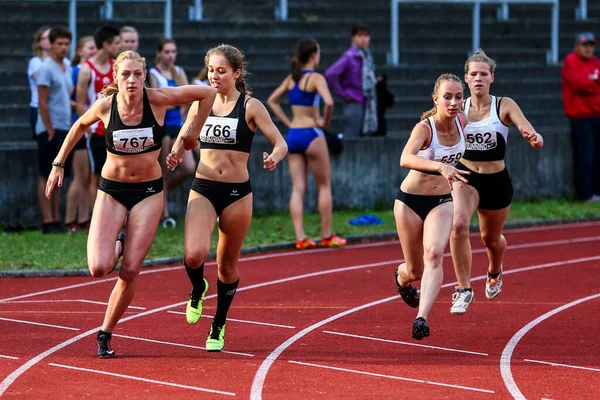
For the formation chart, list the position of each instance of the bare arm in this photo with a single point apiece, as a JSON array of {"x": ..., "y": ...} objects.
[
  {"x": 510, "y": 112},
  {"x": 323, "y": 90},
  {"x": 43, "y": 95},
  {"x": 275, "y": 98},
  {"x": 100, "y": 108},
  {"x": 258, "y": 113},
  {"x": 83, "y": 82}
]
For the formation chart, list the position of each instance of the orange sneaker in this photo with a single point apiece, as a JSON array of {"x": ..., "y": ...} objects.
[
  {"x": 333, "y": 241},
  {"x": 305, "y": 244}
]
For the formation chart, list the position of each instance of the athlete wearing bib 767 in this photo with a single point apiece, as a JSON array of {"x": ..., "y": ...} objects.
[
  {"x": 222, "y": 185},
  {"x": 423, "y": 208},
  {"x": 490, "y": 189},
  {"x": 131, "y": 179}
]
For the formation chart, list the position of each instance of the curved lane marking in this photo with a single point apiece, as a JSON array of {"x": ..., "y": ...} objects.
[
  {"x": 263, "y": 370},
  {"x": 507, "y": 353}
]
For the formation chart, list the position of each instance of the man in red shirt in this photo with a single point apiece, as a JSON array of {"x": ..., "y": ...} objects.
[{"x": 581, "y": 98}]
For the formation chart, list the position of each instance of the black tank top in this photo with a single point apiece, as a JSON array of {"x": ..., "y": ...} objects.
[
  {"x": 128, "y": 140},
  {"x": 230, "y": 132}
]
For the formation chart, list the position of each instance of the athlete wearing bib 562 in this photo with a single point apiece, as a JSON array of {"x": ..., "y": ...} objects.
[
  {"x": 222, "y": 185},
  {"x": 490, "y": 189},
  {"x": 423, "y": 209},
  {"x": 131, "y": 182}
]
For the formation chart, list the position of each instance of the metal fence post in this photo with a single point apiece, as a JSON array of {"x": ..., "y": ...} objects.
[
  {"x": 73, "y": 26},
  {"x": 554, "y": 33},
  {"x": 168, "y": 19},
  {"x": 476, "y": 28},
  {"x": 394, "y": 32},
  {"x": 581, "y": 11},
  {"x": 108, "y": 9}
]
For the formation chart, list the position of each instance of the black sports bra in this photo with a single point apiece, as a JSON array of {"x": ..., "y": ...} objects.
[
  {"x": 230, "y": 132},
  {"x": 128, "y": 140}
]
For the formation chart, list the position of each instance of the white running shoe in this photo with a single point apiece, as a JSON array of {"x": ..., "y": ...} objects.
[
  {"x": 461, "y": 299},
  {"x": 493, "y": 286},
  {"x": 169, "y": 222}
]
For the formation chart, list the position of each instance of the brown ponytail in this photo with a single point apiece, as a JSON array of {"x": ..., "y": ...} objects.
[
  {"x": 305, "y": 48},
  {"x": 436, "y": 87}
]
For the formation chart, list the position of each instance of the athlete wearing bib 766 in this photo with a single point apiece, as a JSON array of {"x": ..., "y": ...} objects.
[
  {"x": 222, "y": 185},
  {"x": 490, "y": 189}
]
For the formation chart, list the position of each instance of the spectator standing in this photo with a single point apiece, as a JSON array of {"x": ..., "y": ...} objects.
[
  {"x": 129, "y": 38},
  {"x": 581, "y": 98},
  {"x": 54, "y": 84},
  {"x": 41, "y": 50},
  {"x": 352, "y": 78}
]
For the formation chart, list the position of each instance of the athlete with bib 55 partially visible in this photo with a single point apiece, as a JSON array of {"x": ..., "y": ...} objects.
[
  {"x": 490, "y": 189},
  {"x": 222, "y": 185},
  {"x": 131, "y": 179},
  {"x": 423, "y": 208}
]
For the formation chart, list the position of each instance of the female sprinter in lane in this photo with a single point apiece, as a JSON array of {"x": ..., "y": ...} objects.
[
  {"x": 305, "y": 139},
  {"x": 490, "y": 189},
  {"x": 131, "y": 177},
  {"x": 222, "y": 186},
  {"x": 423, "y": 209},
  {"x": 166, "y": 73}
]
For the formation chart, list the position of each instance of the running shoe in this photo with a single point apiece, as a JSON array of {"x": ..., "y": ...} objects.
[
  {"x": 493, "y": 286},
  {"x": 420, "y": 329},
  {"x": 305, "y": 244},
  {"x": 461, "y": 299},
  {"x": 333, "y": 241},
  {"x": 216, "y": 338},
  {"x": 168, "y": 222},
  {"x": 193, "y": 310},
  {"x": 103, "y": 344},
  {"x": 120, "y": 238},
  {"x": 409, "y": 294}
]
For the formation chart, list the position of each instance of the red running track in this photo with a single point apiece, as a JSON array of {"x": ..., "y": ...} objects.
[{"x": 320, "y": 324}]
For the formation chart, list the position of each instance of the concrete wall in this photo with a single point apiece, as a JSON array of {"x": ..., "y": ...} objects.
[{"x": 367, "y": 174}]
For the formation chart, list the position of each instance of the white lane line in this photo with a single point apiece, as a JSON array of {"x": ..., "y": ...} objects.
[
  {"x": 179, "y": 345},
  {"x": 562, "y": 365},
  {"x": 571, "y": 225},
  {"x": 137, "y": 378},
  {"x": 38, "y": 323},
  {"x": 293, "y": 253},
  {"x": 263, "y": 370},
  {"x": 9, "y": 357},
  {"x": 240, "y": 320},
  {"x": 400, "y": 378},
  {"x": 5, "y": 384},
  {"x": 105, "y": 304},
  {"x": 505, "y": 359},
  {"x": 64, "y": 301},
  {"x": 406, "y": 343}
]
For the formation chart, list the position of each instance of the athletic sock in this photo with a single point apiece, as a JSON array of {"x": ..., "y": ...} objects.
[
  {"x": 225, "y": 293},
  {"x": 196, "y": 277},
  {"x": 493, "y": 276},
  {"x": 101, "y": 332}
]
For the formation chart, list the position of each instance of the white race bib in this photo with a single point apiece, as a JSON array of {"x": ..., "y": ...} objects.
[
  {"x": 219, "y": 130},
  {"x": 133, "y": 140},
  {"x": 481, "y": 141}
]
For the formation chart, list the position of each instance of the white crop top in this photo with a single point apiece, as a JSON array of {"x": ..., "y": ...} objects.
[
  {"x": 486, "y": 139},
  {"x": 446, "y": 154}
]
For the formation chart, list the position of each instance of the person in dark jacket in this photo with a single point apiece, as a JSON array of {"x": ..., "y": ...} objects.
[{"x": 581, "y": 98}]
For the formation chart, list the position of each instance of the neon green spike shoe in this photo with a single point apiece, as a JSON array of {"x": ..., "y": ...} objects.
[
  {"x": 216, "y": 338},
  {"x": 193, "y": 311}
]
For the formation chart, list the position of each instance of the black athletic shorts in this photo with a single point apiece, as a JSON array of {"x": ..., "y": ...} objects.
[
  {"x": 221, "y": 194},
  {"x": 422, "y": 205},
  {"x": 495, "y": 190}
]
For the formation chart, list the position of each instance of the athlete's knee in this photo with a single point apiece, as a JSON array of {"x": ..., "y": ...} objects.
[
  {"x": 228, "y": 269},
  {"x": 493, "y": 240},
  {"x": 433, "y": 255},
  {"x": 299, "y": 189},
  {"x": 98, "y": 268},
  {"x": 460, "y": 227},
  {"x": 196, "y": 256},
  {"x": 128, "y": 273}
]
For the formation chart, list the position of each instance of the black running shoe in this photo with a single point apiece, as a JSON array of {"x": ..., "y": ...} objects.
[
  {"x": 420, "y": 329},
  {"x": 409, "y": 294},
  {"x": 104, "y": 348}
]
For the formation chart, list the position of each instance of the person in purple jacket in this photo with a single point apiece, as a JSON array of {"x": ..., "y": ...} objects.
[{"x": 352, "y": 78}]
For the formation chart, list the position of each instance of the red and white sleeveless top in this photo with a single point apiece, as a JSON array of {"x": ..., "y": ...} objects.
[{"x": 98, "y": 82}]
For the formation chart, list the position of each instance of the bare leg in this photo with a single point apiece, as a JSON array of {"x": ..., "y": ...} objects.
[
  {"x": 465, "y": 201},
  {"x": 317, "y": 156},
  {"x": 298, "y": 173},
  {"x": 491, "y": 223},
  {"x": 410, "y": 231}
]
